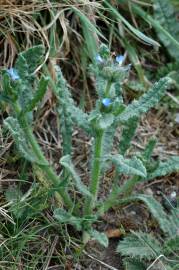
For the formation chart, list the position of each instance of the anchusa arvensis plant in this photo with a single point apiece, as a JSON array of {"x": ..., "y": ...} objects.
[{"x": 23, "y": 90}]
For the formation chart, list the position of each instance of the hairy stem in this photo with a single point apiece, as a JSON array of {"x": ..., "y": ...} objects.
[
  {"x": 95, "y": 175},
  {"x": 108, "y": 87}
]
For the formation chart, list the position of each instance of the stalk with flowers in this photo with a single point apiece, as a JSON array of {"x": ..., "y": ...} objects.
[{"x": 23, "y": 91}]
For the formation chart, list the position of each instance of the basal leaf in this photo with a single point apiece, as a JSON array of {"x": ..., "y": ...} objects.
[
  {"x": 134, "y": 264},
  {"x": 67, "y": 218},
  {"x": 166, "y": 224},
  {"x": 140, "y": 245},
  {"x": 100, "y": 237},
  {"x": 172, "y": 245}
]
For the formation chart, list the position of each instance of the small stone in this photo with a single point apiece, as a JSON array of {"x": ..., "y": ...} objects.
[
  {"x": 173, "y": 195},
  {"x": 149, "y": 191}
]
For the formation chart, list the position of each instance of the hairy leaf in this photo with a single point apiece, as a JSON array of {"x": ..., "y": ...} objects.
[
  {"x": 107, "y": 143},
  {"x": 165, "y": 167},
  {"x": 63, "y": 108},
  {"x": 20, "y": 140},
  {"x": 146, "y": 101},
  {"x": 81, "y": 119},
  {"x": 66, "y": 218},
  {"x": 134, "y": 264},
  {"x": 69, "y": 114},
  {"x": 38, "y": 95},
  {"x": 140, "y": 245},
  {"x": 126, "y": 166},
  {"x": 100, "y": 237},
  {"x": 147, "y": 153},
  {"x": 9, "y": 91},
  {"x": 127, "y": 134},
  {"x": 66, "y": 162},
  {"x": 106, "y": 121},
  {"x": 29, "y": 60},
  {"x": 166, "y": 224},
  {"x": 172, "y": 245}
]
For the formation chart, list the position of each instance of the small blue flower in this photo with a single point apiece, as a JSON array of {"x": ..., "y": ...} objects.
[
  {"x": 106, "y": 102},
  {"x": 119, "y": 59},
  {"x": 99, "y": 59},
  {"x": 13, "y": 74}
]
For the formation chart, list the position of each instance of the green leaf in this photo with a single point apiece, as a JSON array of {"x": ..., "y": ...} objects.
[
  {"x": 38, "y": 95},
  {"x": 165, "y": 167},
  {"x": 68, "y": 113},
  {"x": 20, "y": 140},
  {"x": 29, "y": 60},
  {"x": 81, "y": 119},
  {"x": 63, "y": 108},
  {"x": 10, "y": 90},
  {"x": 146, "y": 101},
  {"x": 106, "y": 121},
  {"x": 147, "y": 153},
  {"x": 127, "y": 134},
  {"x": 166, "y": 224},
  {"x": 126, "y": 166},
  {"x": 140, "y": 245},
  {"x": 165, "y": 14},
  {"x": 107, "y": 144},
  {"x": 4, "y": 98},
  {"x": 172, "y": 245},
  {"x": 134, "y": 264},
  {"x": 66, "y": 218},
  {"x": 66, "y": 162},
  {"x": 100, "y": 237}
]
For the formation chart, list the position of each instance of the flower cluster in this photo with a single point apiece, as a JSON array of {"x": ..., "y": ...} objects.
[{"x": 111, "y": 68}]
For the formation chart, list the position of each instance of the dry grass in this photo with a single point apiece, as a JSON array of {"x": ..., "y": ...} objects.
[{"x": 56, "y": 25}]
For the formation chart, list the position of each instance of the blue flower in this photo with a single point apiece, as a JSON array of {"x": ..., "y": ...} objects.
[
  {"x": 119, "y": 59},
  {"x": 106, "y": 102},
  {"x": 99, "y": 59},
  {"x": 13, "y": 74}
]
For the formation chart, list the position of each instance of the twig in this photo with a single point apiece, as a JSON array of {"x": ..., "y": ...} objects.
[{"x": 173, "y": 98}]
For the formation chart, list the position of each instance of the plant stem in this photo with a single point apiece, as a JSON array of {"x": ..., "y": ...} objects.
[
  {"x": 51, "y": 175},
  {"x": 95, "y": 175},
  {"x": 108, "y": 87}
]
